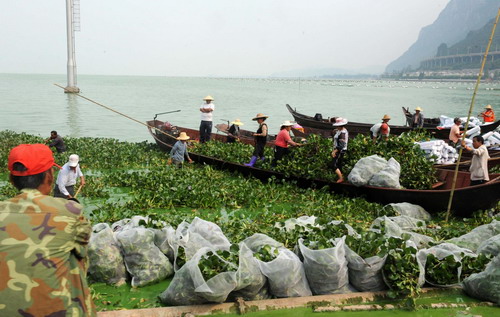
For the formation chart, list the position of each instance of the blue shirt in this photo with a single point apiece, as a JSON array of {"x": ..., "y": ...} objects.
[{"x": 179, "y": 151}]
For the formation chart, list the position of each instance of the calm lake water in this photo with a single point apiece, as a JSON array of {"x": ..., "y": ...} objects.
[{"x": 31, "y": 103}]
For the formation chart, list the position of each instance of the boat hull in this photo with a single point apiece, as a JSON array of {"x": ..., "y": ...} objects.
[{"x": 466, "y": 199}]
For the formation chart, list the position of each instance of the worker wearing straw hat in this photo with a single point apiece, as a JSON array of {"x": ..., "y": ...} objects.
[
  {"x": 179, "y": 150},
  {"x": 417, "y": 120},
  {"x": 488, "y": 115},
  {"x": 233, "y": 134},
  {"x": 260, "y": 139},
  {"x": 283, "y": 141},
  {"x": 381, "y": 129},
  {"x": 206, "y": 110}
]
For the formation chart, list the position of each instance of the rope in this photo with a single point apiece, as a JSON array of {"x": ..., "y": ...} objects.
[
  {"x": 121, "y": 114},
  {"x": 469, "y": 114}
]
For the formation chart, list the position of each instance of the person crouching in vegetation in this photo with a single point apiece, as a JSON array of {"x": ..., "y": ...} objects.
[
  {"x": 283, "y": 140},
  {"x": 179, "y": 151},
  {"x": 260, "y": 139},
  {"x": 479, "y": 165},
  {"x": 340, "y": 140}
]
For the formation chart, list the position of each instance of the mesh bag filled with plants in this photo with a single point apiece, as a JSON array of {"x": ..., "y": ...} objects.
[
  {"x": 206, "y": 278},
  {"x": 485, "y": 285},
  {"x": 143, "y": 260},
  {"x": 105, "y": 259}
]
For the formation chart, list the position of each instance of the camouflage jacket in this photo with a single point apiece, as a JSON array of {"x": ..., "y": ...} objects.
[{"x": 43, "y": 257}]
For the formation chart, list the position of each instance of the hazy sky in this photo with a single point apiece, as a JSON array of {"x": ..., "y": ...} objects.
[{"x": 211, "y": 37}]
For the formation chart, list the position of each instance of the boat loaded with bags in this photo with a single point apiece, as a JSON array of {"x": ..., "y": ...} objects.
[
  {"x": 322, "y": 126},
  {"x": 466, "y": 198}
]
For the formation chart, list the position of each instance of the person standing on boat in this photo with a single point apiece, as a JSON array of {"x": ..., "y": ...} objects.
[
  {"x": 479, "y": 165},
  {"x": 206, "y": 110},
  {"x": 488, "y": 115},
  {"x": 417, "y": 120},
  {"x": 260, "y": 139},
  {"x": 57, "y": 142},
  {"x": 455, "y": 133},
  {"x": 233, "y": 134},
  {"x": 66, "y": 179},
  {"x": 43, "y": 243},
  {"x": 282, "y": 143},
  {"x": 381, "y": 129},
  {"x": 340, "y": 140},
  {"x": 179, "y": 151}
]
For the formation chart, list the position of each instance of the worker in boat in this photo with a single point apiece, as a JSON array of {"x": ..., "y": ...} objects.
[
  {"x": 488, "y": 115},
  {"x": 417, "y": 120},
  {"x": 283, "y": 142},
  {"x": 66, "y": 179},
  {"x": 179, "y": 151},
  {"x": 381, "y": 129},
  {"x": 260, "y": 139},
  {"x": 340, "y": 140},
  {"x": 56, "y": 141},
  {"x": 233, "y": 134},
  {"x": 479, "y": 165},
  {"x": 455, "y": 133},
  {"x": 206, "y": 110}
]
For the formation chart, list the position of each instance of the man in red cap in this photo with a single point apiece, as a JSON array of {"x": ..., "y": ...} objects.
[{"x": 43, "y": 243}]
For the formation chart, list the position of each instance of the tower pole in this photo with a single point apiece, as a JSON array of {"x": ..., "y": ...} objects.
[{"x": 71, "y": 67}]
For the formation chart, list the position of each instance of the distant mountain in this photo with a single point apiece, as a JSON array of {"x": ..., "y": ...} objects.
[
  {"x": 456, "y": 20},
  {"x": 331, "y": 72}
]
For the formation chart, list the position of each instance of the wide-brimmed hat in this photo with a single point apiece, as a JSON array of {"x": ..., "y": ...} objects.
[
  {"x": 287, "y": 123},
  {"x": 386, "y": 117},
  {"x": 183, "y": 136},
  {"x": 237, "y": 122},
  {"x": 260, "y": 116},
  {"x": 73, "y": 160},
  {"x": 418, "y": 109},
  {"x": 339, "y": 122},
  {"x": 209, "y": 98},
  {"x": 488, "y": 107}
]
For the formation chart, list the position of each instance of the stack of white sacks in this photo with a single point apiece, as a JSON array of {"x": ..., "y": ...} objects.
[
  {"x": 447, "y": 122},
  {"x": 441, "y": 153}
]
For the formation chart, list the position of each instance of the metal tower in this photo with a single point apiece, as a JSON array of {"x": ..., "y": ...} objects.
[{"x": 72, "y": 25}]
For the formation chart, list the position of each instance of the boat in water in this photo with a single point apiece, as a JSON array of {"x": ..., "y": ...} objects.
[
  {"x": 321, "y": 126},
  {"x": 466, "y": 199}
]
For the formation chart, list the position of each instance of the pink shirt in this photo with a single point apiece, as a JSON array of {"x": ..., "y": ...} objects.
[
  {"x": 282, "y": 138},
  {"x": 454, "y": 131}
]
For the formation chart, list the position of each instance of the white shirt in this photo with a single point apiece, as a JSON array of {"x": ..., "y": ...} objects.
[
  {"x": 67, "y": 177},
  {"x": 375, "y": 129},
  {"x": 479, "y": 165},
  {"x": 207, "y": 116}
]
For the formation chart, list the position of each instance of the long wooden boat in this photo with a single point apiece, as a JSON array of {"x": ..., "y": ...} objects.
[
  {"x": 434, "y": 122},
  {"x": 465, "y": 200},
  {"x": 324, "y": 126},
  {"x": 195, "y": 134}
]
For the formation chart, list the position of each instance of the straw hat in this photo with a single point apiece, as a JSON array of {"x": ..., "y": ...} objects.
[
  {"x": 287, "y": 123},
  {"x": 386, "y": 117},
  {"x": 339, "y": 122},
  {"x": 208, "y": 98},
  {"x": 488, "y": 107},
  {"x": 418, "y": 109},
  {"x": 183, "y": 136},
  {"x": 260, "y": 116},
  {"x": 237, "y": 122}
]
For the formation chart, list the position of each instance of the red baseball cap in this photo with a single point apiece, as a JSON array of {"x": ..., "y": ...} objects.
[{"x": 37, "y": 158}]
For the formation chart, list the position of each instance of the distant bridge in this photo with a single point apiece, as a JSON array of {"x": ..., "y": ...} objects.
[{"x": 449, "y": 60}]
